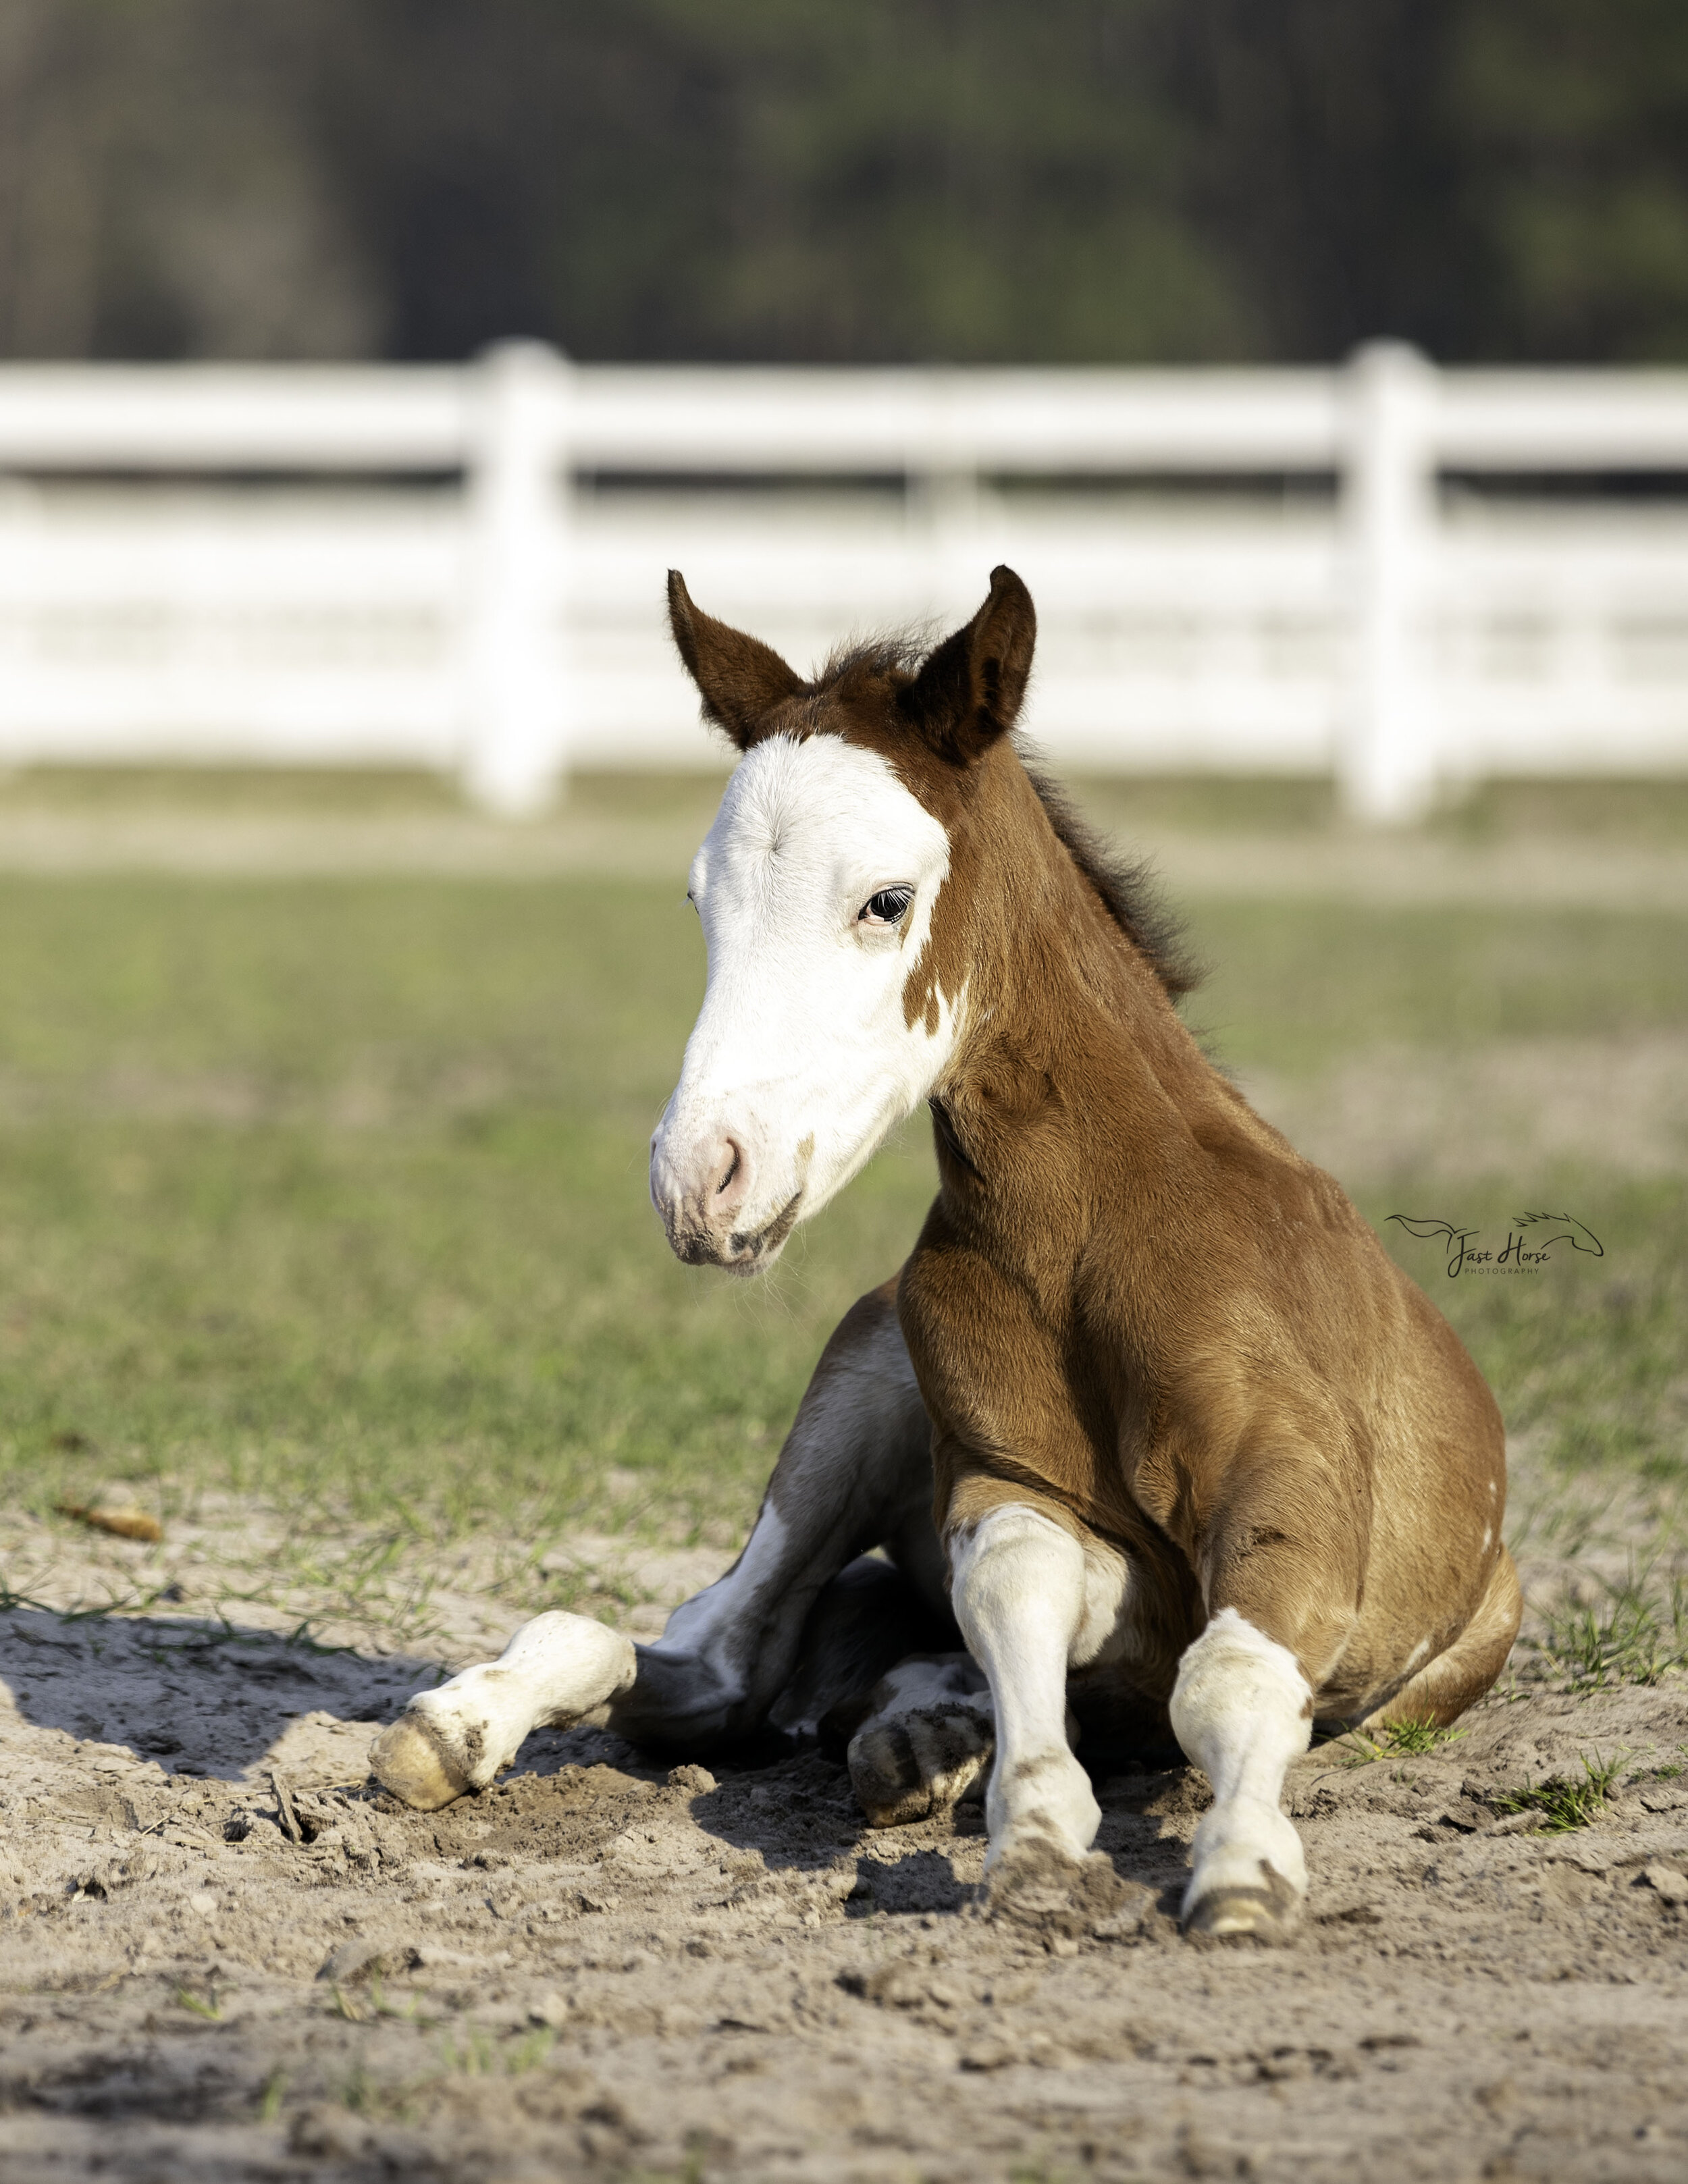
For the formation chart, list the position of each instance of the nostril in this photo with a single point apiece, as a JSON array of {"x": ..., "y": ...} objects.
[{"x": 734, "y": 1161}]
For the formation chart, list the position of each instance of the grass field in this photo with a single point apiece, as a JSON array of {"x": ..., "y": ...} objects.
[{"x": 332, "y": 1193}]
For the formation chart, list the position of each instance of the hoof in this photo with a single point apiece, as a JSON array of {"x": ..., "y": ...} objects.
[
  {"x": 1042, "y": 1888},
  {"x": 914, "y": 1764},
  {"x": 1269, "y": 1914},
  {"x": 410, "y": 1760}
]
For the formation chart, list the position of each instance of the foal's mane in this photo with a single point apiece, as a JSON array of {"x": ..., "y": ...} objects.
[{"x": 1125, "y": 885}]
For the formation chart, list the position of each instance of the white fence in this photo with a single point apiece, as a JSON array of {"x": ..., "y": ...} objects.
[{"x": 1258, "y": 570}]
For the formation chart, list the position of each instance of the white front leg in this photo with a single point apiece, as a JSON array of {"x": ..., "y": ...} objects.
[
  {"x": 556, "y": 1669},
  {"x": 1017, "y": 1586},
  {"x": 1243, "y": 1710}
]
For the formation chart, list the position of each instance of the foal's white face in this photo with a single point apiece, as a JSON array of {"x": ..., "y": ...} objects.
[{"x": 816, "y": 887}]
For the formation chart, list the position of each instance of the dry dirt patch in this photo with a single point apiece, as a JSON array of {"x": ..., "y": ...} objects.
[{"x": 602, "y": 1967}]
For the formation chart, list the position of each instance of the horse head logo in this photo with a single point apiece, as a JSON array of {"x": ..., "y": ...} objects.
[{"x": 1579, "y": 1235}]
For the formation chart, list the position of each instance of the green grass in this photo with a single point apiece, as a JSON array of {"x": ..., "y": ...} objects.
[
  {"x": 333, "y": 1193},
  {"x": 1567, "y": 1800},
  {"x": 337, "y": 1193},
  {"x": 1402, "y": 1740},
  {"x": 1638, "y": 1635},
  {"x": 351, "y": 792},
  {"x": 1295, "y": 986},
  {"x": 1652, "y": 812}
]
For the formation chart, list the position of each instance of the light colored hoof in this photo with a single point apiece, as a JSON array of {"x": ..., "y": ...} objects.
[
  {"x": 1269, "y": 1913},
  {"x": 409, "y": 1759},
  {"x": 556, "y": 1670}
]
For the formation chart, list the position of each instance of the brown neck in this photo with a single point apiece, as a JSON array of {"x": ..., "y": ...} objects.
[{"x": 1072, "y": 1068}]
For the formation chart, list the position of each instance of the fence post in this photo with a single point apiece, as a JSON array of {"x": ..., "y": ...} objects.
[
  {"x": 1389, "y": 753},
  {"x": 516, "y": 649}
]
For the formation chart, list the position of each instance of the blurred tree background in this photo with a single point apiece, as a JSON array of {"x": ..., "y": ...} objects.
[{"x": 849, "y": 180}]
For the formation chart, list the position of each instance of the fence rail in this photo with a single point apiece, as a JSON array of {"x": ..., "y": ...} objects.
[{"x": 462, "y": 568}]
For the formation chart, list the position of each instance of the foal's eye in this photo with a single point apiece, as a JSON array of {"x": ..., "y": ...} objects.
[{"x": 887, "y": 907}]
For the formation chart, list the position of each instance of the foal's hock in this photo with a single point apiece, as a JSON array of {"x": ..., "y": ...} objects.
[{"x": 1148, "y": 1423}]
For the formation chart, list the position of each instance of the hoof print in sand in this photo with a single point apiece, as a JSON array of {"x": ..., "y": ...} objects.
[{"x": 1045, "y": 1892}]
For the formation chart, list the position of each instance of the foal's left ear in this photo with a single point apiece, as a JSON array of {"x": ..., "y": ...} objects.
[
  {"x": 739, "y": 678},
  {"x": 970, "y": 690}
]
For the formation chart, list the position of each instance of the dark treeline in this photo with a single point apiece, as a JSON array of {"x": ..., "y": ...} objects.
[{"x": 1082, "y": 180}]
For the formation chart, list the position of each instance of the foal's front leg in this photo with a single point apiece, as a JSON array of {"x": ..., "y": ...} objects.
[
  {"x": 557, "y": 1668},
  {"x": 1285, "y": 1564},
  {"x": 1243, "y": 1710},
  {"x": 855, "y": 1470},
  {"x": 1032, "y": 1604}
]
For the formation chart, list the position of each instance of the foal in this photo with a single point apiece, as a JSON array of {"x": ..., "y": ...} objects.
[{"x": 1148, "y": 1410}]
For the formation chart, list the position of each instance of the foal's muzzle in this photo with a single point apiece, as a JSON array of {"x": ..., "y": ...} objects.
[{"x": 706, "y": 1195}]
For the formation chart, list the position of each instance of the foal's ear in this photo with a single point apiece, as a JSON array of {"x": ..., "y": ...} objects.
[
  {"x": 969, "y": 691},
  {"x": 740, "y": 678}
]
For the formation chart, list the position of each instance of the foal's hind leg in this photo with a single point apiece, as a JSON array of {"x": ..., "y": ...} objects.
[{"x": 854, "y": 1472}]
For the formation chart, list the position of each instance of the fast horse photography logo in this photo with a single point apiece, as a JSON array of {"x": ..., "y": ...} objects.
[{"x": 1530, "y": 1240}]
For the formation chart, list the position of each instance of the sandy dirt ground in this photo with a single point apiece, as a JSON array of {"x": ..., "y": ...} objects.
[{"x": 224, "y": 1955}]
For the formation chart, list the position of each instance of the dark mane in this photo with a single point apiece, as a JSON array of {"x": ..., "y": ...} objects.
[
  {"x": 893, "y": 652},
  {"x": 1125, "y": 885}
]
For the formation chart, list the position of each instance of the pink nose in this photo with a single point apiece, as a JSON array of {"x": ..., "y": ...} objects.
[{"x": 700, "y": 1195}]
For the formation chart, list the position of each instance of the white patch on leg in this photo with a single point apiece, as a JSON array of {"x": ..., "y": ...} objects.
[
  {"x": 1242, "y": 1710},
  {"x": 705, "y": 1627},
  {"x": 1103, "y": 1630},
  {"x": 556, "y": 1670},
  {"x": 1018, "y": 1589}
]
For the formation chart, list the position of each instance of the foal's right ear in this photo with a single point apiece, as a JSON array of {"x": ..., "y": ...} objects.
[{"x": 740, "y": 679}]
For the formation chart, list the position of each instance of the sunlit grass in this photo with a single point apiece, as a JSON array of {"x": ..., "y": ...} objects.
[
  {"x": 1401, "y": 1740},
  {"x": 1565, "y": 1801},
  {"x": 1638, "y": 1634}
]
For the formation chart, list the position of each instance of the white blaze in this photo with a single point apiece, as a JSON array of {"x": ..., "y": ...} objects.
[{"x": 801, "y": 1054}]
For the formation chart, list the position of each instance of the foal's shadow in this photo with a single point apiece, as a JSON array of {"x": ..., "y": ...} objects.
[
  {"x": 214, "y": 1699},
  {"x": 795, "y": 1807},
  {"x": 801, "y": 1815}
]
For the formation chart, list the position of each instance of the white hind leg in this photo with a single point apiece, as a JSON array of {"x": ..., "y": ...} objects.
[
  {"x": 556, "y": 1669},
  {"x": 1243, "y": 1710}
]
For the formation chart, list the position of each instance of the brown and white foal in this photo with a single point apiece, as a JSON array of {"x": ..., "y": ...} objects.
[{"x": 1148, "y": 1410}]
